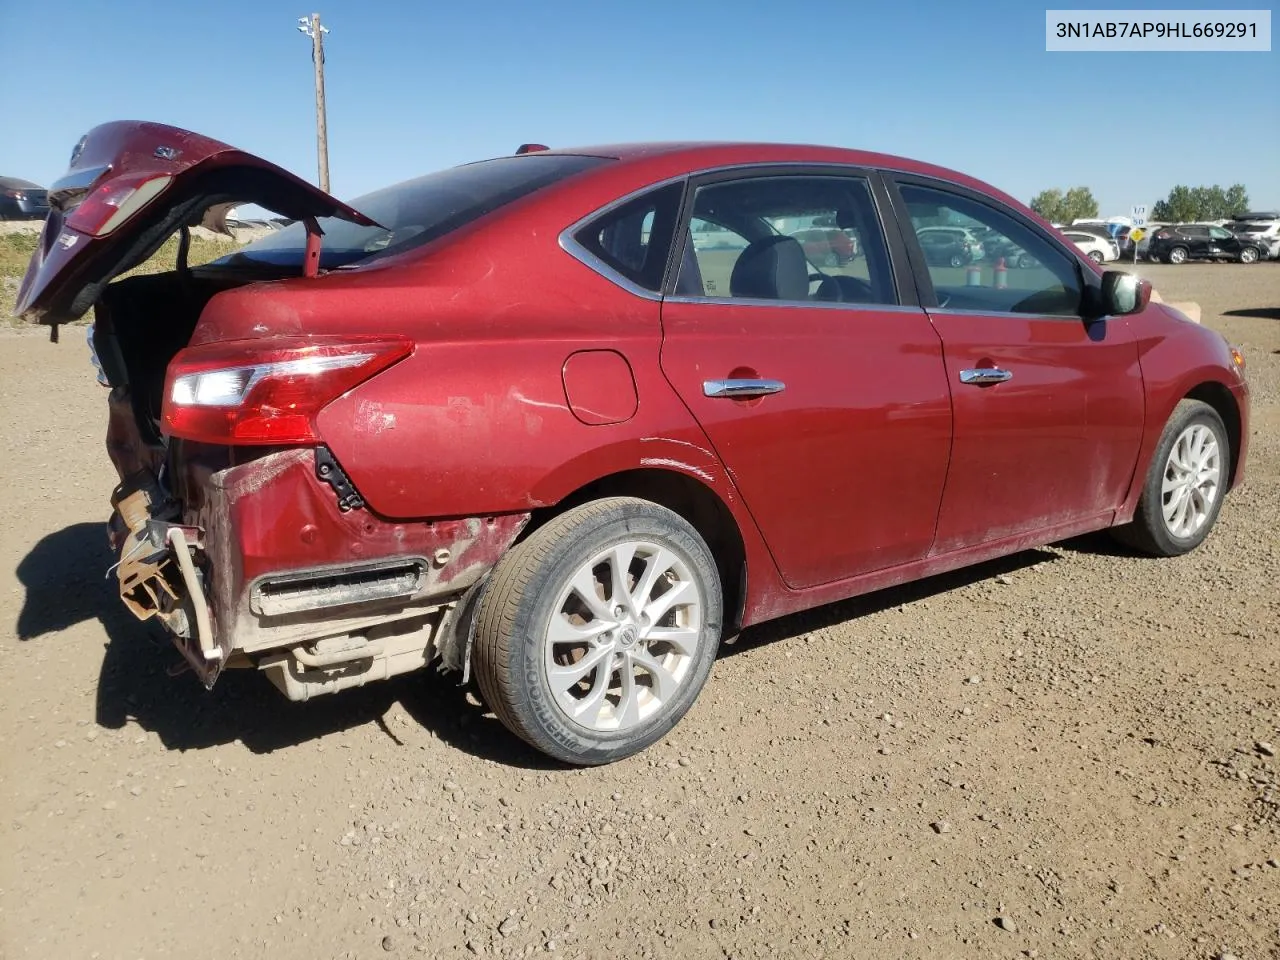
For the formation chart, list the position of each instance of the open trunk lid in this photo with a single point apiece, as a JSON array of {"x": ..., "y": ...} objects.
[{"x": 129, "y": 186}]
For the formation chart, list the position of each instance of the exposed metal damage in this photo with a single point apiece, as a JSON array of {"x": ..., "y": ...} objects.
[{"x": 193, "y": 564}]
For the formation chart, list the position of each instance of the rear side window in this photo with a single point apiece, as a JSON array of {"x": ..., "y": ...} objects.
[
  {"x": 797, "y": 238},
  {"x": 419, "y": 211},
  {"x": 634, "y": 239}
]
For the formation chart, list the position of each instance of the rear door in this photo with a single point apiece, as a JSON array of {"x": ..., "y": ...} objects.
[
  {"x": 129, "y": 186},
  {"x": 1197, "y": 240},
  {"x": 1048, "y": 408},
  {"x": 822, "y": 389}
]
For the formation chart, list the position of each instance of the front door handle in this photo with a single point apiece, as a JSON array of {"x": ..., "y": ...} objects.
[
  {"x": 741, "y": 389},
  {"x": 985, "y": 375}
]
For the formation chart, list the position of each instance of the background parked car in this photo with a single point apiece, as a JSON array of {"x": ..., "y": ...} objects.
[
  {"x": 944, "y": 248},
  {"x": 1265, "y": 232},
  {"x": 826, "y": 246},
  {"x": 1204, "y": 241},
  {"x": 1144, "y": 245},
  {"x": 1096, "y": 248},
  {"x": 954, "y": 245},
  {"x": 22, "y": 200}
]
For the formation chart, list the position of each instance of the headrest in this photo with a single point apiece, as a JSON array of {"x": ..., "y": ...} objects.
[{"x": 771, "y": 269}]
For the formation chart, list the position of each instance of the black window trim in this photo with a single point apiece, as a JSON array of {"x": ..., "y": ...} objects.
[
  {"x": 1090, "y": 283},
  {"x": 905, "y": 297}
]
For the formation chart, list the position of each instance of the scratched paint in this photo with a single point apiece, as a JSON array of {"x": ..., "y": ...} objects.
[{"x": 677, "y": 465}]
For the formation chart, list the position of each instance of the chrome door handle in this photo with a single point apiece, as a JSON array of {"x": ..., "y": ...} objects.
[
  {"x": 985, "y": 375},
  {"x": 738, "y": 389}
]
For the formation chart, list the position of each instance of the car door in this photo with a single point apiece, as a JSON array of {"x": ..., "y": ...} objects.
[
  {"x": 1048, "y": 409},
  {"x": 1223, "y": 243},
  {"x": 822, "y": 390},
  {"x": 1197, "y": 241}
]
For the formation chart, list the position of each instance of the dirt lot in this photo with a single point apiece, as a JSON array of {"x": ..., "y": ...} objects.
[{"x": 1081, "y": 725}]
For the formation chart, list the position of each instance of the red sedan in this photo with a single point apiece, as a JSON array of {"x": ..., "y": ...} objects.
[{"x": 509, "y": 419}]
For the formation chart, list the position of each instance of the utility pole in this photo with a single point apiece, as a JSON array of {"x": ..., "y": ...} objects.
[{"x": 312, "y": 28}]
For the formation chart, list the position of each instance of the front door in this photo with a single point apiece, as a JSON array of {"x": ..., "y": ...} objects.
[
  {"x": 1048, "y": 408},
  {"x": 823, "y": 394}
]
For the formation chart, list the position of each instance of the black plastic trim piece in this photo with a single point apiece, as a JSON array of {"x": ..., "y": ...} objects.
[{"x": 330, "y": 471}]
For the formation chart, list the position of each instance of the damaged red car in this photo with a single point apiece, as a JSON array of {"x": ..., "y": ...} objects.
[{"x": 508, "y": 420}]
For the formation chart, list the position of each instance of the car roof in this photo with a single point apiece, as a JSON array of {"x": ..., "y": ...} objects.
[
  {"x": 14, "y": 183},
  {"x": 709, "y": 154}
]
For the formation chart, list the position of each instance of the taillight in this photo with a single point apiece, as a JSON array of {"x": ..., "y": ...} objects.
[
  {"x": 13, "y": 194},
  {"x": 267, "y": 392},
  {"x": 105, "y": 208}
]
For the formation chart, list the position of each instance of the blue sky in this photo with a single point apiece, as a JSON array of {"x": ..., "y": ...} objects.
[{"x": 415, "y": 86}]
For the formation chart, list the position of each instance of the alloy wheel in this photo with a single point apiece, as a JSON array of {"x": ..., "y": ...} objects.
[
  {"x": 1192, "y": 480},
  {"x": 623, "y": 636}
]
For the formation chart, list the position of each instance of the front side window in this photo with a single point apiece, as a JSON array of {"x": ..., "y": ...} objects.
[
  {"x": 1219, "y": 234},
  {"x": 1011, "y": 269},
  {"x": 797, "y": 239}
]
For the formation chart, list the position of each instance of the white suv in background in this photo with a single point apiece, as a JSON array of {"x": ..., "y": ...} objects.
[
  {"x": 1096, "y": 248},
  {"x": 1267, "y": 231}
]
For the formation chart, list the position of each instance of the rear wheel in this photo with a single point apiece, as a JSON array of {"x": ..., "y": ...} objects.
[
  {"x": 1185, "y": 484},
  {"x": 597, "y": 633},
  {"x": 1178, "y": 255}
]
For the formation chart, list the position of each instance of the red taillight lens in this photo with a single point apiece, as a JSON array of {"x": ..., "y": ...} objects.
[
  {"x": 12, "y": 194},
  {"x": 106, "y": 207},
  {"x": 267, "y": 392}
]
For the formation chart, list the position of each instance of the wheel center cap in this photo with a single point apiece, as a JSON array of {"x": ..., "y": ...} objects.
[{"x": 628, "y": 636}]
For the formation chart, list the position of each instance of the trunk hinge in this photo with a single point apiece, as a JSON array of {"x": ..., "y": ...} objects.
[{"x": 311, "y": 261}]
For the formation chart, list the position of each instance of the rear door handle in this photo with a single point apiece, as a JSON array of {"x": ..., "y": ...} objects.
[
  {"x": 740, "y": 389},
  {"x": 985, "y": 375}
]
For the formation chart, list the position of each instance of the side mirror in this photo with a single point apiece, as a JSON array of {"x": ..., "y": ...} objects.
[{"x": 1123, "y": 293}]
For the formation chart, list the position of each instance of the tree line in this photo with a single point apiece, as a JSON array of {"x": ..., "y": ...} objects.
[{"x": 1182, "y": 205}]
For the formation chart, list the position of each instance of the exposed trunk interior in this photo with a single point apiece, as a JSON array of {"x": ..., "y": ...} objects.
[{"x": 143, "y": 321}]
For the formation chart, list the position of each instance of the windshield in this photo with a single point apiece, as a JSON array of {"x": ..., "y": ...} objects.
[{"x": 416, "y": 212}]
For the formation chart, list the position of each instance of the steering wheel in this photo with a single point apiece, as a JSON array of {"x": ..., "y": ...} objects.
[{"x": 842, "y": 289}]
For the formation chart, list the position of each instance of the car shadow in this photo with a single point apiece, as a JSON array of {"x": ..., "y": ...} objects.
[
  {"x": 793, "y": 625},
  {"x": 1262, "y": 313},
  {"x": 142, "y": 679}
]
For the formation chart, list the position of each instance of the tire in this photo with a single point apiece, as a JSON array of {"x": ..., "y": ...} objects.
[
  {"x": 1248, "y": 255},
  {"x": 1151, "y": 530},
  {"x": 1096, "y": 257},
  {"x": 1026, "y": 261},
  {"x": 1177, "y": 255},
  {"x": 532, "y": 592},
  {"x": 957, "y": 260}
]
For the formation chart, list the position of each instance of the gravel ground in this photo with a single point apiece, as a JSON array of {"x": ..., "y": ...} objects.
[{"x": 1067, "y": 753}]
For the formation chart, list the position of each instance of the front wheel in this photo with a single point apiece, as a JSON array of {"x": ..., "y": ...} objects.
[
  {"x": 1185, "y": 484},
  {"x": 1248, "y": 255},
  {"x": 597, "y": 633},
  {"x": 1096, "y": 256}
]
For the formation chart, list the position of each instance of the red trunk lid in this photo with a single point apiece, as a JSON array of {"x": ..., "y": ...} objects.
[{"x": 130, "y": 185}]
